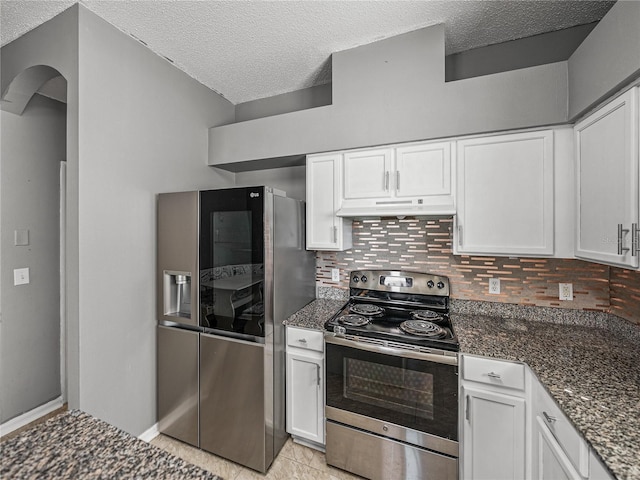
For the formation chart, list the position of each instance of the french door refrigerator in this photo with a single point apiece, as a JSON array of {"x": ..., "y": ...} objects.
[{"x": 232, "y": 265}]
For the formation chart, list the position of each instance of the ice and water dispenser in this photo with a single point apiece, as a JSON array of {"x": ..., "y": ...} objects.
[{"x": 177, "y": 294}]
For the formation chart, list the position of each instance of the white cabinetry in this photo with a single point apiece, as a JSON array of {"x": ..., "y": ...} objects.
[
  {"x": 408, "y": 179},
  {"x": 607, "y": 182},
  {"x": 367, "y": 173},
  {"x": 493, "y": 409},
  {"x": 326, "y": 231},
  {"x": 505, "y": 195},
  {"x": 559, "y": 451},
  {"x": 305, "y": 386}
]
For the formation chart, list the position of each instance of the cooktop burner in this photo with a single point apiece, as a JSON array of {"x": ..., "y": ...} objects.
[
  {"x": 366, "y": 309},
  {"x": 353, "y": 320},
  {"x": 422, "y": 328},
  {"x": 398, "y": 306},
  {"x": 427, "y": 316}
]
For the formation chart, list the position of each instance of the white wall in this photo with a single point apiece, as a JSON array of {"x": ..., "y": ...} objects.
[
  {"x": 32, "y": 147},
  {"x": 143, "y": 131}
]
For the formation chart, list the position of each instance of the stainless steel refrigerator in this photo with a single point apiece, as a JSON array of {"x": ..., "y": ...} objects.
[{"x": 232, "y": 265}]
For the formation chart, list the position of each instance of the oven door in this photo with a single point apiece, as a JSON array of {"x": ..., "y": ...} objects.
[{"x": 402, "y": 394}]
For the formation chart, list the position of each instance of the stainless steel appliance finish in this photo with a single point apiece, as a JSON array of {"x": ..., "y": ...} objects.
[
  {"x": 378, "y": 458},
  {"x": 240, "y": 254},
  {"x": 178, "y": 384},
  {"x": 391, "y": 391},
  {"x": 232, "y": 381}
]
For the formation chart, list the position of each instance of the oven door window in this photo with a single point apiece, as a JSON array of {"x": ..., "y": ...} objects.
[{"x": 417, "y": 394}]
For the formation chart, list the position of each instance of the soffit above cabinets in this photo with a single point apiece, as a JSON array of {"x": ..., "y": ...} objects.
[{"x": 247, "y": 50}]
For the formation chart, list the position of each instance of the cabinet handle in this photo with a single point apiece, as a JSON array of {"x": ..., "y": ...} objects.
[
  {"x": 386, "y": 181},
  {"x": 621, "y": 232},
  {"x": 494, "y": 375},
  {"x": 335, "y": 234},
  {"x": 317, "y": 375},
  {"x": 398, "y": 180},
  {"x": 459, "y": 235},
  {"x": 549, "y": 418},
  {"x": 635, "y": 240},
  {"x": 467, "y": 414}
]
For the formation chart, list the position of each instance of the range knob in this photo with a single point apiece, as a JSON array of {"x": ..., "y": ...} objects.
[
  {"x": 355, "y": 279},
  {"x": 430, "y": 284},
  {"x": 364, "y": 278},
  {"x": 440, "y": 285}
]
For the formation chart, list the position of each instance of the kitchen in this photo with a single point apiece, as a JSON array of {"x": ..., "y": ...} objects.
[{"x": 104, "y": 328}]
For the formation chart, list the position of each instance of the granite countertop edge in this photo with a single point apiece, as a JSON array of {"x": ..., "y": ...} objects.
[{"x": 594, "y": 404}]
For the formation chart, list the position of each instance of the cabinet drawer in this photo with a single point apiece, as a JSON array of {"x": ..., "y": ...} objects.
[
  {"x": 571, "y": 442},
  {"x": 305, "y": 338},
  {"x": 493, "y": 372}
]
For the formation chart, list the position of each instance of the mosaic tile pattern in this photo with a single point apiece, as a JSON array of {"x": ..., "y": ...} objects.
[
  {"x": 426, "y": 245},
  {"x": 75, "y": 445},
  {"x": 625, "y": 294}
]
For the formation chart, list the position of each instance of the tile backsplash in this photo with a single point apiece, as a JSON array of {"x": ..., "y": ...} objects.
[{"x": 426, "y": 245}]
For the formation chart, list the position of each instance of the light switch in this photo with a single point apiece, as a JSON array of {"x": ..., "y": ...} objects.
[
  {"x": 20, "y": 276},
  {"x": 21, "y": 237}
]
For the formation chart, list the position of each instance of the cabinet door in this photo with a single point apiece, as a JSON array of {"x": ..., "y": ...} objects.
[
  {"x": 551, "y": 462},
  {"x": 607, "y": 182},
  {"x": 423, "y": 170},
  {"x": 505, "y": 195},
  {"x": 367, "y": 173},
  {"x": 493, "y": 442},
  {"x": 305, "y": 398},
  {"x": 325, "y": 231}
]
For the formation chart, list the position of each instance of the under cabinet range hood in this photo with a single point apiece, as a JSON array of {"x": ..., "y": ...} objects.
[{"x": 398, "y": 208}]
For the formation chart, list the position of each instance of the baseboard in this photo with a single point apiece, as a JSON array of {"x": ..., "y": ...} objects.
[
  {"x": 150, "y": 434},
  {"x": 30, "y": 416}
]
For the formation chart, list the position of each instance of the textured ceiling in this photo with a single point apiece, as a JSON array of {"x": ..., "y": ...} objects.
[{"x": 253, "y": 49}]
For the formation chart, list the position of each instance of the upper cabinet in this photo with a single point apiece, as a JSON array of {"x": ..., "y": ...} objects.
[
  {"x": 607, "y": 183},
  {"x": 326, "y": 231},
  {"x": 408, "y": 179},
  {"x": 505, "y": 195}
]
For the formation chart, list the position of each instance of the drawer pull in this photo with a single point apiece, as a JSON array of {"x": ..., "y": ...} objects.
[
  {"x": 303, "y": 340},
  {"x": 549, "y": 418},
  {"x": 494, "y": 375}
]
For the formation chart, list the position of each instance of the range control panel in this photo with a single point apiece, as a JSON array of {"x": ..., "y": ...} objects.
[{"x": 400, "y": 281}]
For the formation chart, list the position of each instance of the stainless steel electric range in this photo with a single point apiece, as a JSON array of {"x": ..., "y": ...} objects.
[{"x": 392, "y": 378}]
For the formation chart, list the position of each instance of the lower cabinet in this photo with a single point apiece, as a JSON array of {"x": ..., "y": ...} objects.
[
  {"x": 305, "y": 386},
  {"x": 511, "y": 428},
  {"x": 493, "y": 441},
  {"x": 550, "y": 460}
]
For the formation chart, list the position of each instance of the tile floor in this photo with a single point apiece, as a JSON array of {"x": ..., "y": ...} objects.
[{"x": 295, "y": 462}]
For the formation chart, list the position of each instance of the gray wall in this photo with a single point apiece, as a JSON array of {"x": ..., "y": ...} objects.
[
  {"x": 393, "y": 91},
  {"x": 144, "y": 131},
  {"x": 32, "y": 146},
  {"x": 290, "y": 179},
  {"x": 55, "y": 43},
  {"x": 607, "y": 59},
  {"x": 556, "y": 46},
  {"x": 312, "y": 97}
]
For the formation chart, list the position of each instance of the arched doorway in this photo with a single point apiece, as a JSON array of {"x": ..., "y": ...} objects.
[{"x": 33, "y": 194}]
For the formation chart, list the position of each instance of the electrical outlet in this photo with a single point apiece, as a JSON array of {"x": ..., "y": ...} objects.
[
  {"x": 566, "y": 291},
  {"x": 335, "y": 274},
  {"x": 20, "y": 276},
  {"x": 494, "y": 286}
]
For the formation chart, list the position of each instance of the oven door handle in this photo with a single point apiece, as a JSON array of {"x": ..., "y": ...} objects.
[{"x": 386, "y": 350}]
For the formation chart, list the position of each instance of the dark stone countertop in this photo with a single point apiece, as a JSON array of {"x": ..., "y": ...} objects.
[{"x": 592, "y": 371}]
